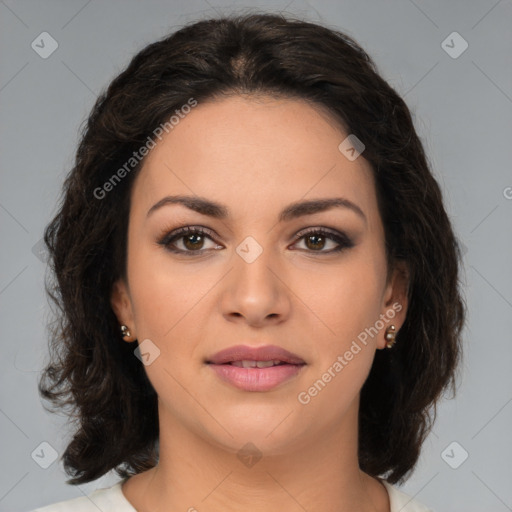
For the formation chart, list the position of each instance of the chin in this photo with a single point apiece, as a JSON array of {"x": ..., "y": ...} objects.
[{"x": 272, "y": 429}]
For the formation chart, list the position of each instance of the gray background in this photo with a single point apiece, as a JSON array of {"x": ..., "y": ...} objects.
[{"x": 462, "y": 109}]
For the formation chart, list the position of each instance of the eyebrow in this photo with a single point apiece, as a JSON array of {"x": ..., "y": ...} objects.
[{"x": 298, "y": 209}]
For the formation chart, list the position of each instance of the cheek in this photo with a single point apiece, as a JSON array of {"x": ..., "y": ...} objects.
[
  {"x": 348, "y": 302},
  {"x": 163, "y": 304},
  {"x": 345, "y": 350},
  {"x": 169, "y": 301},
  {"x": 162, "y": 293}
]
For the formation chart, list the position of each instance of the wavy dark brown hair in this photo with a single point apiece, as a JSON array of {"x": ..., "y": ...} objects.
[{"x": 93, "y": 375}]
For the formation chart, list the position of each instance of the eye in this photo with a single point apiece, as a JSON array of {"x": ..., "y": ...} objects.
[
  {"x": 190, "y": 238},
  {"x": 317, "y": 239}
]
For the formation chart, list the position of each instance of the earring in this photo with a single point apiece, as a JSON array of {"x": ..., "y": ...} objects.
[
  {"x": 390, "y": 336},
  {"x": 125, "y": 333}
]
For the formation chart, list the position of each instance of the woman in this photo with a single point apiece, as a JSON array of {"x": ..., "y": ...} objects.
[{"x": 257, "y": 281}]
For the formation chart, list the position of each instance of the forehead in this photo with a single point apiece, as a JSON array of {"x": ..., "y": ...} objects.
[{"x": 252, "y": 153}]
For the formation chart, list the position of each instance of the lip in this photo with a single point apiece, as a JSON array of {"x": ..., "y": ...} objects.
[
  {"x": 255, "y": 379},
  {"x": 265, "y": 353}
]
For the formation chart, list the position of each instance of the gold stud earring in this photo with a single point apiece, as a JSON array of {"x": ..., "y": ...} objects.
[
  {"x": 390, "y": 336},
  {"x": 125, "y": 333}
]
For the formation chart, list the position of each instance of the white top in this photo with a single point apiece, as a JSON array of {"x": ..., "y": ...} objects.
[{"x": 112, "y": 499}]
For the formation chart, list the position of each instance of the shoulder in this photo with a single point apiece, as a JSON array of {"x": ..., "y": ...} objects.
[
  {"x": 110, "y": 498},
  {"x": 401, "y": 502}
]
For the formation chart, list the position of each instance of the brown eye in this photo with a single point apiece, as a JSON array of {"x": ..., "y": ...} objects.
[
  {"x": 193, "y": 241},
  {"x": 188, "y": 240},
  {"x": 316, "y": 240}
]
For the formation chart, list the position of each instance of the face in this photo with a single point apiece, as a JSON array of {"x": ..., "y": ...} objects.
[{"x": 311, "y": 281}]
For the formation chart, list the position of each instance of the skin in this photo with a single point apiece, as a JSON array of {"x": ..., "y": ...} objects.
[{"x": 256, "y": 155}]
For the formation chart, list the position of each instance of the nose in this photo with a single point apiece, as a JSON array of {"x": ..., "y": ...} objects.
[{"x": 255, "y": 291}]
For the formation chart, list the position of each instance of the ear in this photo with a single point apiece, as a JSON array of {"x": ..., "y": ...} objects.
[
  {"x": 395, "y": 301},
  {"x": 122, "y": 306}
]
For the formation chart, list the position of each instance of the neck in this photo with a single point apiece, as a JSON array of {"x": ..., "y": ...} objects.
[{"x": 193, "y": 475}]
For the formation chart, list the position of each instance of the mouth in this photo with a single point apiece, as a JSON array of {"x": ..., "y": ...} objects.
[
  {"x": 256, "y": 369},
  {"x": 257, "y": 364},
  {"x": 246, "y": 354}
]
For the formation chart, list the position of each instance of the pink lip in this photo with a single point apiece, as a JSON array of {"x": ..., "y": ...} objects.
[
  {"x": 265, "y": 353},
  {"x": 255, "y": 379}
]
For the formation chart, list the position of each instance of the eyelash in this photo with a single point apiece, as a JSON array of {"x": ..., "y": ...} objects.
[{"x": 343, "y": 241}]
